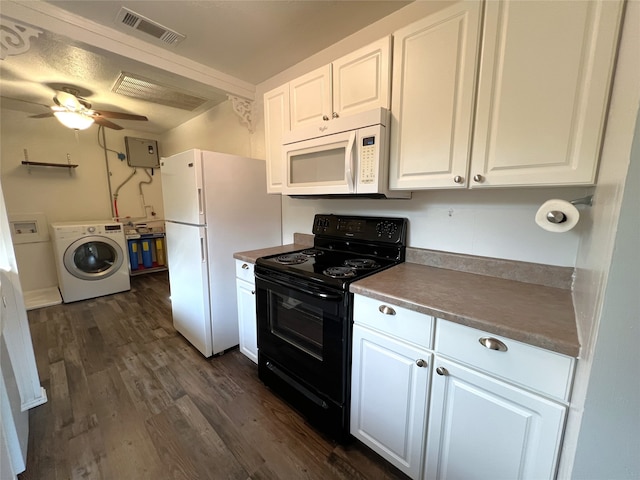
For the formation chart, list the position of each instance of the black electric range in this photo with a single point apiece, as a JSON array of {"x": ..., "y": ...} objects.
[{"x": 305, "y": 313}]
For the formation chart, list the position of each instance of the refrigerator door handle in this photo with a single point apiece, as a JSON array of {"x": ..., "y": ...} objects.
[
  {"x": 202, "y": 255},
  {"x": 200, "y": 208}
]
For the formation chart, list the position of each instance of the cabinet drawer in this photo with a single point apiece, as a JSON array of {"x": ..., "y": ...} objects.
[
  {"x": 538, "y": 369},
  {"x": 398, "y": 322},
  {"x": 244, "y": 271}
]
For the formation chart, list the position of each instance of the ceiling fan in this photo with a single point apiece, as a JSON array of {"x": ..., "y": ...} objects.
[{"x": 75, "y": 112}]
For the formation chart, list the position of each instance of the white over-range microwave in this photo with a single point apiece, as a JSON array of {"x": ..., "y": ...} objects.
[{"x": 343, "y": 156}]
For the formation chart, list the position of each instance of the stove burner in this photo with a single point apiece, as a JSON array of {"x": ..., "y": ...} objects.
[
  {"x": 340, "y": 272},
  {"x": 292, "y": 259},
  {"x": 312, "y": 252},
  {"x": 361, "y": 263}
]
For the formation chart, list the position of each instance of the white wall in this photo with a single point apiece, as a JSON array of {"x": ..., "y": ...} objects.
[
  {"x": 83, "y": 195},
  {"x": 611, "y": 407},
  {"x": 489, "y": 223},
  {"x": 219, "y": 130},
  {"x": 603, "y": 309}
]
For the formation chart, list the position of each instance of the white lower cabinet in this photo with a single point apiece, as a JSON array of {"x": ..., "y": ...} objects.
[
  {"x": 389, "y": 397},
  {"x": 391, "y": 365},
  {"x": 483, "y": 428},
  {"x": 246, "y": 298},
  {"x": 460, "y": 404}
]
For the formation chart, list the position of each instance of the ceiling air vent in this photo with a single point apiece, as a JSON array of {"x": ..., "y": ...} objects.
[
  {"x": 138, "y": 22},
  {"x": 142, "y": 88}
]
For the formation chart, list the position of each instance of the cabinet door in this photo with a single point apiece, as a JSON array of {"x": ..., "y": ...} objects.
[
  {"x": 543, "y": 91},
  {"x": 247, "y": 319},
  {"x": 276, "y": 122},
  {"x": 310, "y": 97},
  {"x": 434, "y": 71},
  {"x": 389, "y": 397},
  {"x": 481, "y": 428},
  {"x": 362, "y": 79}
]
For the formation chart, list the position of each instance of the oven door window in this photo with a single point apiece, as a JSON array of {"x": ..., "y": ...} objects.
[{"x": 297, "y": 323}]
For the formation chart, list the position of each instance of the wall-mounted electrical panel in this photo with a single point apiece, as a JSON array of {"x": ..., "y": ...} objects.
[{"x": 142, "y": 152}]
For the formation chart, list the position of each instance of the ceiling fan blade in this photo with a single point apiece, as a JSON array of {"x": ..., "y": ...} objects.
[
  {"x": 106, "y": 123},
  {"x": 42, "y": 115},
  {"x": 122, "y": 116}
]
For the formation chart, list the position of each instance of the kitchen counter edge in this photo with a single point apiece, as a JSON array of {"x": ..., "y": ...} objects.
[{"x": 537, "y": 315}]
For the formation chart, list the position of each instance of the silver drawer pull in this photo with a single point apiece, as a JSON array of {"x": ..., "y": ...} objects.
[
  {"x": 245, "y": 266},
  {"x": 421, "y": 363},
  {"x": 493, "y": 344},
  {"x": 442, "y": 371},
  {"x": 386, "y": 310}
]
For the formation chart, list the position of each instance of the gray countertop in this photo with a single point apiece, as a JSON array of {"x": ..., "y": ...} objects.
[
  {"x": 538, "y": 314},
  {"x": 534, "y": 314}
]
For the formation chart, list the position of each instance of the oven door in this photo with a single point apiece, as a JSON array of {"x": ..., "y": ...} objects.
[{"x": 303, "y": 333}]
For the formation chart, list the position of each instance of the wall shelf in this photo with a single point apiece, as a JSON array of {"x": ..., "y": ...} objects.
[
  {"x": 69, "y": 166},
  {"x": 46, "y": 164}
]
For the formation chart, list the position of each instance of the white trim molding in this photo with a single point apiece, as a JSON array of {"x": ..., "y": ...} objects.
[
  {"x": 244, "y": 109},
  {"x": 15, "y": 37}
]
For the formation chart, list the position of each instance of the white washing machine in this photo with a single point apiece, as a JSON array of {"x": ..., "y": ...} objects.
[{"x": 91, "y": 259}]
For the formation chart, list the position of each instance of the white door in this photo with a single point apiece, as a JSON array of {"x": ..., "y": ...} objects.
[
  {"x": 362, "y": 79},
  {"x": 276, "y": 122},
  {"x": 247, "y": 319},
  {"x": 189, "y": 284},
  {"x": 310, "y": 98},
  {"x": 543, "y": 91},
  {"x": 484, "y": 429},
  {"x": 389, "y": 392},
  {"x": 182, "y": 190},
  {"x": 434, "y": 72}
]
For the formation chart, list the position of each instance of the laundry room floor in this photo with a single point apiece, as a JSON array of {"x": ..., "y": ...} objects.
[{"x": 128, "y": 397}]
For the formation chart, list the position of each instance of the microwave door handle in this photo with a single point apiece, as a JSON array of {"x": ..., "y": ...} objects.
[{"x": 349, "y": 161}]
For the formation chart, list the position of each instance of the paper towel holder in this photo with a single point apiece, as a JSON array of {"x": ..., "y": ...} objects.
[
  {"x": 556, "y": 216},
  {"x": 588, "y": 200}
]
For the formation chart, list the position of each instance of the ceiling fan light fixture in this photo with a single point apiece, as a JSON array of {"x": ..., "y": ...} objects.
[{"x": 75, "y": 120}]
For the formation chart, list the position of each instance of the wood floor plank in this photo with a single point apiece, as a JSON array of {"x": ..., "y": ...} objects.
[{"x": 130, "y": 398}]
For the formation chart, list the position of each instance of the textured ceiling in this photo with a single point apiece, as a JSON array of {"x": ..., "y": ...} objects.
[{"x": 247, "y": 40}]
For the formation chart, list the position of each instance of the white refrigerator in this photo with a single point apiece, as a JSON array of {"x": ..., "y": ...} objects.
[{"x": 215, "y": 204}]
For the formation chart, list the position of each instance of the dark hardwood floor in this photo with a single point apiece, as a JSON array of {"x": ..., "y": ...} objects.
[{"x": 129, "y": 398}]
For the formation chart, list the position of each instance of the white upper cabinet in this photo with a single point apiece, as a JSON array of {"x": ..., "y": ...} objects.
[
  {"x": 276, "y": 122},
  {"x": 543, "y": 91},
  {"x": 434, "y": 72},
  {"x": 354, "y": 83},
  {"x": 362, "y": 79},
  {"x": 542, "y": 85},
  {"x": 311, "y": 98}
]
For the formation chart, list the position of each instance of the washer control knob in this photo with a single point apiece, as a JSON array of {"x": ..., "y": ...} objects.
[{"x": 91, "y": 229}]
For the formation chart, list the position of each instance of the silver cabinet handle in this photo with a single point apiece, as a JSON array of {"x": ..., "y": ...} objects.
[
  {"x": 458, "y": 179},
  {"x": 386, "y": 310},
  {"x": 245, "y": 266},
  {"x": 421, "y": 363},
  {"x": 325, "y": 118},
  {"x": 493, "y": 344},
  {"x": 253, "y": 292},
  {"x": 478, "y": 178},
  {"x": 442, "y": 371},
  {"x": 335, "y": 115}
]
